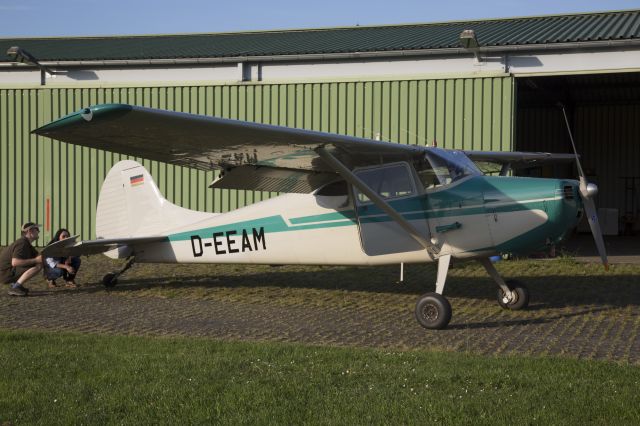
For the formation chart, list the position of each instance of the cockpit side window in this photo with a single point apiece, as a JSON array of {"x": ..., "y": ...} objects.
[
  {"x": 389, "y": 181},
  {"x": 444, "y": 167}
]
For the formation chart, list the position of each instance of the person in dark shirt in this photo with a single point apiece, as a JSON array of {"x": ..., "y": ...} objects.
[
  {"x": 61, "y": 267},
  {"x": 20, "y": 261}
]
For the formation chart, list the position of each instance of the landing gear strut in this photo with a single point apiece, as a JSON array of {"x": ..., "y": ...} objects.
[
  {"x": 511, "y": 294},
  {"x": 111, "y": 279},
  {"x": 433, "y": 310}
]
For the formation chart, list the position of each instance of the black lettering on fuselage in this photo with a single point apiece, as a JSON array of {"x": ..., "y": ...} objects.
[
  {"x": 230, "y": 242},
  {"x": 246, "y": 244},
  {"x": 227, "y": 242},
  {"x": 198, "y": 252},
  {"x": 257, "y": 237},
  {"x": 217, "y": 243}
]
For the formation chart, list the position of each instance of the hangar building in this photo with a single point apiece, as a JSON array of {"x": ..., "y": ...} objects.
[{"x": 493, "y": 88}]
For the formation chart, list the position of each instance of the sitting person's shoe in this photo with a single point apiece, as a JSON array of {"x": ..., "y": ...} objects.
[
  {"x": 52, "y": 284},
  {"x": 70, "y": 284},
  {"x": 18, "y": 291}
]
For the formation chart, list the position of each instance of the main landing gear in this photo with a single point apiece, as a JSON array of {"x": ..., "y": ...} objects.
[
  {"x": 433, "y": 310},
  {"x": 111, "y": 279}
]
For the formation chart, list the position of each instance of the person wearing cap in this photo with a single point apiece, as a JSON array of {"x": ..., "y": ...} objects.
[{"x": 20, "y": 261}]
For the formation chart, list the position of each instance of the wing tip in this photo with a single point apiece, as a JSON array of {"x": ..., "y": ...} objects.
[{"x": 85, "y": 114}]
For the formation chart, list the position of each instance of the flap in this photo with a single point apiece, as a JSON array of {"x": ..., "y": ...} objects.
[{"x": 273, "y": 179}]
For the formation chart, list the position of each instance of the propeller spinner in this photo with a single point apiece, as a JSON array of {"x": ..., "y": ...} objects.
[{"x": 587, "y": 192}]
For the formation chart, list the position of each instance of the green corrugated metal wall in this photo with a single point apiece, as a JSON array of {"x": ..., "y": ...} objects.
[{"x": 458, "y": 113}]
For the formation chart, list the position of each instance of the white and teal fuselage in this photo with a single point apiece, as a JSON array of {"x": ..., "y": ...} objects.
[{"x": 477, "y": 216}]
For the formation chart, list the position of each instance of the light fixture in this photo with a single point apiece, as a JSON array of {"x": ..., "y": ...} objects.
[
  {"x": 17, "y": 54},
  {"x": 469, "y": 42}
]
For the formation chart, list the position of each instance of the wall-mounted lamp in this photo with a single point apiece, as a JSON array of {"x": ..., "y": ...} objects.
[
  {"x": 20, "y": 55},
  {"x": 469, "y": 41}
]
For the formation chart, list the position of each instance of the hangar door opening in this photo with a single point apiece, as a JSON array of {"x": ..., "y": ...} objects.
[{"x": 604, "y": 113}]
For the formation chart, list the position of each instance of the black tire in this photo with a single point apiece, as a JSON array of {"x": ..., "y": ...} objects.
[
  {"x": 521, "y": 300},
  {"x": 110, "y": 280},
  {"x": 433, "y": 311}
]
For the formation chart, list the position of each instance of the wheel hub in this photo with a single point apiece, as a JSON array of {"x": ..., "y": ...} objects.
[
  {"x": 509, "y": 298},
  {"x": 429, "y": 312}
]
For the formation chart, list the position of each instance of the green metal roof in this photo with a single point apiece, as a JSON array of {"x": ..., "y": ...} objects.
[{"x": 604, "y": 26}]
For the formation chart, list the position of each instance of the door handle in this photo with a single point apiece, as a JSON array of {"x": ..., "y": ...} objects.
[{"x": 449, "y": 227}]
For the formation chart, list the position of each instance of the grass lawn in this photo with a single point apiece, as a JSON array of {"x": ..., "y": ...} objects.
[{"x": 53, "y": 378}]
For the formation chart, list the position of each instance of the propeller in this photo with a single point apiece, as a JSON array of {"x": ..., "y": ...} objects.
[{"x": 587, "y": 192}]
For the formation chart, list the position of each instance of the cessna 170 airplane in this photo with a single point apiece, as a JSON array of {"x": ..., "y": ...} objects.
[{"x": 348, "y": 201}]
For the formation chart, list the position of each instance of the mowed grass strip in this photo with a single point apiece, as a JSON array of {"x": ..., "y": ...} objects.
[{"x": 52, "y": 378}]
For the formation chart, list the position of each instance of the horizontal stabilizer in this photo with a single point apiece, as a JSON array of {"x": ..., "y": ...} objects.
[{"x": 72, "y": 247}]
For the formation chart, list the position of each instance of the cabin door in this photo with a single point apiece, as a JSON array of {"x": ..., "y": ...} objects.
[{"x": 379, "y": 233}]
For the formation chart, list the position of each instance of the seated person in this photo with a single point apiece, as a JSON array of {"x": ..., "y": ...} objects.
[
  {"x": 20, "y": 261},
  {"x": 57, "y": 267}
]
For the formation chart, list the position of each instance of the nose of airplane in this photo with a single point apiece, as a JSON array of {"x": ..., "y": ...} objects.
[{"x": 565, "y": 213}]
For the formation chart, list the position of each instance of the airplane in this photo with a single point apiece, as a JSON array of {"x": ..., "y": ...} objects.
[{"x": 347, "y": 200}]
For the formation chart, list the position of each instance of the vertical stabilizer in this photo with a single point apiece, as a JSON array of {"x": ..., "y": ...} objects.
[{"x": 131, "y": 205}]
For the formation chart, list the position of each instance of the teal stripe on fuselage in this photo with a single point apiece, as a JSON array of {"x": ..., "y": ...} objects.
[
  {"x": 346, "y": 214},
  {"x": 463, "y": 199},
  {"x": 270, "y": 224}
]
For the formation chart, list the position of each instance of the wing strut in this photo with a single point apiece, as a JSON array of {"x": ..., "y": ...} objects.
[{"x": 354, "y": 180}]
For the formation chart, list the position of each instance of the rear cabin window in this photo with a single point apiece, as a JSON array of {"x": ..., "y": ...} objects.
[{"x": 389, "y": 181}]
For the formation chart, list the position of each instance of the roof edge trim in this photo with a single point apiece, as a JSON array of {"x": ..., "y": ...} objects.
[{"x": 334, "y": 56}]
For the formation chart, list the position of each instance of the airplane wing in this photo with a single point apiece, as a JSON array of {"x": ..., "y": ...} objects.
[
  {"x": 517, "y": 158},
  {"x": 204, "y": 142},
  {"x": 207, "y": 143},
  {"x": 72, "y": 247},
  {"x": 251, "y": 155}
]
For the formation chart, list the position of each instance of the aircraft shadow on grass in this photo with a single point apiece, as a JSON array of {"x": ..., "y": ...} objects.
[{"x": 548, "y": 292}]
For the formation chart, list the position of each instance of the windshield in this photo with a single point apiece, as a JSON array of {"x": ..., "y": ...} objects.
[{"x": 450, "y": 166}]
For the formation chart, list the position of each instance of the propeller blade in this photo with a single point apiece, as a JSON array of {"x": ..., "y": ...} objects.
[
  {"x": 587, "y": 191},
  {"x": 592, "y": 217},
  {"x": 575, "y": 151}
]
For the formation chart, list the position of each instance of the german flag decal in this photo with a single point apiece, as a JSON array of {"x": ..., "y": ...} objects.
[{"x": 136, "y": 180}]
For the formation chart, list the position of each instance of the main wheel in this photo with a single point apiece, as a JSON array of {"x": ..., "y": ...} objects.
[
  {"x": 433, "y": 311},
  {"x": 110, "y": 280},
  {"x": 520, "y": 296}
]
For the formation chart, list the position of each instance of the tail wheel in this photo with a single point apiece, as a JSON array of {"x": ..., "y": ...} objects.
[
  {"x": 519, "y": 296},
  {"x": 433, "y": 311},
  {"x": 110, "y": 280}
]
